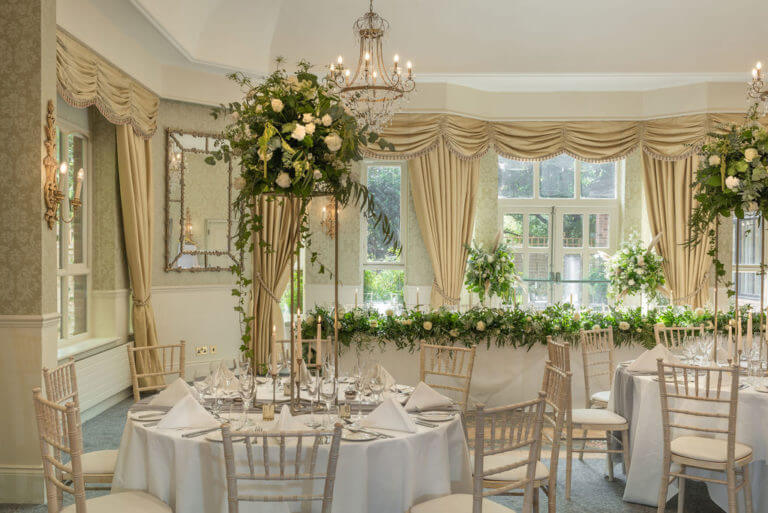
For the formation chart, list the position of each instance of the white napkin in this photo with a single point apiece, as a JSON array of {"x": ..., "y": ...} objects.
[
  {"x": 646, "y": 362},
  {"x": 385, "y": 377},
  {"x": 287, "y": 422},
  {"x": 173, "y": 393},
  {"x": 188, "y": 413},
  {"x": 390, "y": 415},
  {"x": 425, "y": 397},
  {"x": 305, "y": 376}
]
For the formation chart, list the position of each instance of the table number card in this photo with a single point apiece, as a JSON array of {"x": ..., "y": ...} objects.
[
  {"x": 268, "y": 412},
  {"x": 345, "y": 411}
]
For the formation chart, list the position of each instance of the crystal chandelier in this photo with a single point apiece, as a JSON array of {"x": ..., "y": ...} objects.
[
  {"x": 372, "y": 92},
  {"x": 757, "y": 90}
]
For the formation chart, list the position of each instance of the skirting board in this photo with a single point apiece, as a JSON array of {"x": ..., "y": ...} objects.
[{"x": 22, "y": 484}]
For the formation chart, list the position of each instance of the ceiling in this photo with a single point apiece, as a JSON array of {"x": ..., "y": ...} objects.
[{"x": 490, "y": 44}]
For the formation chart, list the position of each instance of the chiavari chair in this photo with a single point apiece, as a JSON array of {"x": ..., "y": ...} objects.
[
  {"x": 170, "y": 358},
  {"x": 448, "y": 368},
  {"x": 675, "y": 337},
  {"x": 703, "y": 401},
  {"x": 597, "y": 356}
]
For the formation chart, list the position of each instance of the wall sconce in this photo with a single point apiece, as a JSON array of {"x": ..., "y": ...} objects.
[
  {"x": 328, "y": 219},
  {"x": 56, "y": 187}
]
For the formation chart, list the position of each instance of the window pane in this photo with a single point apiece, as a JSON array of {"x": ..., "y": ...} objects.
[
  {"x": 751, "y": 238},
  {"x": 749, "y": 288},
  {"x": 556, "y": 177},
  {"x": 598, "y": 292},
  {"x": 538, "y": 230},
  {"x": 572, "y": 271},
  {"x": 598, "y": 180},
  {"x": 285, "y": 301},
  {"x": 384, "y": 184},
  {"x": 77, "y": 304},
  {"x": 76, "y": 156},
  {"x": 513, "y": 229},
  {"x": 538, "y": 268},
  {"x": 573, "y": 230},
  {"x": 598, "y": 230},
  {"x": 515, "y": 179},
  {"x": 383, "y": 288}
]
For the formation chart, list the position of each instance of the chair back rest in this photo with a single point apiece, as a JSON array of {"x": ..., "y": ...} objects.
[
  {"x": 515, "y": 428},
  {"x": 557, "y": 387},
  {"x": 61, "y": 384},
  {"x": 559, "y": 354},
  {"x": 699, "y": 400},
  {"x": 151, "y": 364},
  {"x": 597, "y": 356},
  {"x": 676, "y": 336},
  {"x": 59, "y": 431},
  {"x": 448, "y": 368},
  {"x": 282, "y": 458}
]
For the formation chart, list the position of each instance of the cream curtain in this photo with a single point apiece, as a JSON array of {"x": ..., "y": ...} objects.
[
  {"x": 134, "y": 163},
  {"x": 445, "y": 195},
  {"x": 280, "y": 218},
  {"x": 84, "y": 78},
  {"x": 670, "y": 202}
]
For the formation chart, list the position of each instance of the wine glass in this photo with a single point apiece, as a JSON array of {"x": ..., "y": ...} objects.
[
  {"x": 377, "y": 386},
  {"x": 313, "y": 390},
  {"x": 328, "y": 391},
  {"x": 247, "y": 391}
]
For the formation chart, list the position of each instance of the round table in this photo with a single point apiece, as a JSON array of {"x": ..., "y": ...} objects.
[
  {"x": 636, "y": 397},
  {"x": 377, "y": 476}
]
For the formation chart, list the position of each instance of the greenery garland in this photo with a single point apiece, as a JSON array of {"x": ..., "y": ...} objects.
[
  {"x": 514, "y": 327},
  {"x": 490, "y": 272}
]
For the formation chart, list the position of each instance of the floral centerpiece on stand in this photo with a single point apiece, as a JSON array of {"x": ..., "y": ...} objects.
[
  {"x": 636, "y": 269},
  {"x": 295, "y": 139},
  {"x": 491, "y": 272}
]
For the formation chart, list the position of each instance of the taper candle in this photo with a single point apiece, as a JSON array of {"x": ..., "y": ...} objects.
[{"x": 273, "y": 356}]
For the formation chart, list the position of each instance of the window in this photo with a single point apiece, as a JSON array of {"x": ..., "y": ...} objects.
[
  {"x": 559, "y": 216},
  {"x": 749, "y": 260},
  {"x": 383, "y": 267},
  {"x": 73, "y": 239}
]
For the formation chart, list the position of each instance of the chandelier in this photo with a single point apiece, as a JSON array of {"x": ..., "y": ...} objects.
[
  {"x": 757, "y": 88},
  {"x": 372, "y": 92}
]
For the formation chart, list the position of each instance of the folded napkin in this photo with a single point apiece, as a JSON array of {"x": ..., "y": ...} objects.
[
  {"x": 425, "y": 397},
  {"x": 188, "y": 413},
  {"x": 646, "y": 362},
  {"x": 385, "y": 377},
  {"x": 173, "y": 393},
  {"x": 390, "y": 415},
  {"x": 287, "y": 422}
]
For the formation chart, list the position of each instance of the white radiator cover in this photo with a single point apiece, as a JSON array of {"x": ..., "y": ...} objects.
[{"x": 102, "y": 376}]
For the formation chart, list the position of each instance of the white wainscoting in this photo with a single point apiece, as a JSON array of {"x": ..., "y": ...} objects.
[
  {"x": 103, "y": 380},
  {"x": 202, "y": 315}
]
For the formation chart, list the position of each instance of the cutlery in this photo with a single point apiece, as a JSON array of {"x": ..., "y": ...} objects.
[
  {"x": 150, "y": 424},
  {"x": 147, "y": 407},
  {"x": 200, "y": 432},
  {"x": 351, "y": 427},
  {"x": 147, "y": 416},
  {"x": 425, "y": 424}
]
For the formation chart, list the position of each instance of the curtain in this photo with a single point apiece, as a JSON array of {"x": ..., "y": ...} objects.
[
  {"x": 444, "y": 195},
  {"x": 134, "y": 166},
  {"x": 271, "y": 269},
  {"x": 669, "y": 200}
]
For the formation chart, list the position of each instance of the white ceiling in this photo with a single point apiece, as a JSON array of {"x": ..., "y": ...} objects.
[{"x": 488, "y": 44}]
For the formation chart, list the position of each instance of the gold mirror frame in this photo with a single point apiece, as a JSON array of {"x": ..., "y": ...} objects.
[{"x": 172, "y": 135}]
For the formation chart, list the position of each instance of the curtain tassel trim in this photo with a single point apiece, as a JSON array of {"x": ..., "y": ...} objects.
[{"x": 448, "y": 299}]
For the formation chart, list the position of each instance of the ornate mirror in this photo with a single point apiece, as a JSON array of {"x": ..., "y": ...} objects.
[{"x": 198, "y": 209}]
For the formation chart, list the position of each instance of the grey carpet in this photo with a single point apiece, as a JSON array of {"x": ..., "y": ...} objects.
[{"x": 591, "y": 492}]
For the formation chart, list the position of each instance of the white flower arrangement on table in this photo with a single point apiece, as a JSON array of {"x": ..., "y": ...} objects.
[
  {"x": 491, "y": 272},
  {"x": 636, "y": 268}
]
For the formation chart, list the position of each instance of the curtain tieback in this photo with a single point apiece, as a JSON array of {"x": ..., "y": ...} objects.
[
  {"x": 142, "y": 302},
  {"x": 266, "y": 288},
  {"x": 449, "y": 299}
]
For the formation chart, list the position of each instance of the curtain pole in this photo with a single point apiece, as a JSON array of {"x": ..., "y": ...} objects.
[
  {"x": 336, "y": 292},
  {"x": 716, "y": 334}
]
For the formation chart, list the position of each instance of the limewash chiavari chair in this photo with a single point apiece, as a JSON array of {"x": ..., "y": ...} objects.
[
  {"x": 559, "y": 354},
  {"x": 61, "y": 388},
  {"x": 556, "y": 387},
  {"x": 514, "y": 429},
  {"x": 675, "y": 337},
  {"x": 265, "y": 468},
  {"x": 597, "y": 353},
  {"x": 60, "y": 433},
  {"x": 171, "y": 359},
  {"x": 440, "y": 364},
  {"x": 689, "y": 397}
]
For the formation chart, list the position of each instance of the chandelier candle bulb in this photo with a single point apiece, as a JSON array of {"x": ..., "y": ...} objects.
[
  {"x": 63, "y": 169},
  {"x": 79, "y": 186}
]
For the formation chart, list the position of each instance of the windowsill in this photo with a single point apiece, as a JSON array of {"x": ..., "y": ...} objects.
[{"x": 88, "y": 347}]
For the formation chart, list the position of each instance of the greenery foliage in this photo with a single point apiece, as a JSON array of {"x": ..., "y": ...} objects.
[
  {"x": 490, "y": 272},
  {"x": 635, "y": 269}
]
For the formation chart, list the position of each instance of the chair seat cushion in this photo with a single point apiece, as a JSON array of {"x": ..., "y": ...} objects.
[
  {"x": 456, "y": 503},
  {"x": 99, "y": 462},
  {"x": 124, "y": 502},
  {"x": 707, "y": 449},
  {"x": 508, "y": 458},
  {"x": 601, "y": 397},
  {"x": 596, "y": 416}
]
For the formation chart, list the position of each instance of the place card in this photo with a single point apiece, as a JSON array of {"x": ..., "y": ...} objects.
[
  {"x": 345, "y": 411},
  {"x": 268, "y": 412}
]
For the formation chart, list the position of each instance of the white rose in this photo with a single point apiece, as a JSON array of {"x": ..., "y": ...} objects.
[
  {"x": 751, "y": 206},
  {"x": 299, "y": 132},
  {"x": 327, "y": 120},
  {"x": 238, "y": 182},
  {"x": 489, "y": 259},
  {"x": 639, "y": 330},
  {"x": 310, "y": 128},
  {"x": 732, "y": 183},
  {"x": 283, "y": 180},
  {"x": 277, "y": 104},
  {"x": 454, "y": 333},
  {"x": 316, "y": 174},
  {"x": 596, "y": 327},
  {"x": 374, "y": 324},
  {"x": 714, "y": 160},
  {"x": 333, "y": 141},
  {"x": 389, "y": 312},
  {"x": 750, "y": 154},
  {"x": 408, "y": 322},
  {"x": 631, "y": 282},
  {"x": 480, "y": 326},
  {"x": 307, "y": 117},
  {"x": 427, "y": 325},
  {"x": 699, "y": 312},
  {"x": 623, "y": 325}
]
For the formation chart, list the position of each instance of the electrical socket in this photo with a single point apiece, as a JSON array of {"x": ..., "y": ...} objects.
[
  {"x": 212, "y": 349},
  {"x": 201, "y": 350}
]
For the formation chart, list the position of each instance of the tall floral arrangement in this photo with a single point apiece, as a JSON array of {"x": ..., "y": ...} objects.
[
  {"x": 491, "y": 272},
  {"x": 293, "y": 138},
  {"x": 635, "y": 269}
]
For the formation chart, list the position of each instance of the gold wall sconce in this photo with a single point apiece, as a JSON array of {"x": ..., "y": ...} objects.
[
  {"x": 328, "y": 219},
  {"x": 56, "y": 187}
]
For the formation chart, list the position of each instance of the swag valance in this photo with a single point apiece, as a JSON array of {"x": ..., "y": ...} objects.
[
  {"x": 674, "y": 138},
  {"x": 84, "y": 78}
]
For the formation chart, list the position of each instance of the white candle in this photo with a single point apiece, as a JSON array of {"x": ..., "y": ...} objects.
[
  {"x": 319, "y": 356},
  {"x": 417, "y": 296},
  {"x": 273, "y": 356},
  {"x": 356, "y": 297},
  {"x": 63, "y": 174},
  {"x": 79, "y": 186},
  {"x": 749, "y": 331}
]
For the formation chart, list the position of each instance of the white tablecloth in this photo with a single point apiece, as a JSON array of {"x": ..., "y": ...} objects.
[
  {"x": 647, "y": 443},
  {"x": 381, "y": 476}
]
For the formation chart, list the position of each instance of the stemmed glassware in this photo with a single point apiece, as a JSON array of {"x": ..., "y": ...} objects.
[
  {"x": 247, "y": 391},
  {"x": 328, "y": 393}
]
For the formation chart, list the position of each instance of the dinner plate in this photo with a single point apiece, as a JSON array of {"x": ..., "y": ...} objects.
[
  {"x": 357, "y": 436},
  {"x": 761, "y": 388},
  {"x": 435, "y": 416},
  {"x": 143, "y": 416}
]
